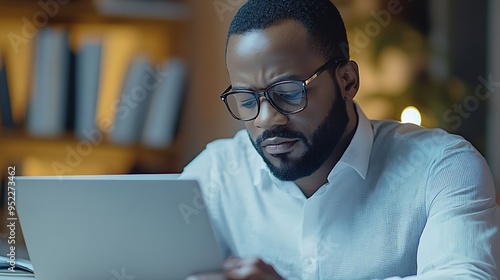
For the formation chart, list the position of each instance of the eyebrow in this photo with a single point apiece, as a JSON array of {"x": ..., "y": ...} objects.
[{"x": 280, "y": 79}]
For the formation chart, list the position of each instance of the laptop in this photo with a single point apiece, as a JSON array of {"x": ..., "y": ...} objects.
[{"x": 120, "y": 227}]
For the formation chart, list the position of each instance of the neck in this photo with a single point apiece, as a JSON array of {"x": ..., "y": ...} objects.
[{"x": 309, "y": 185}]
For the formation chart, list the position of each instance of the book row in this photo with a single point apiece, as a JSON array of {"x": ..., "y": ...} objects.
[{"x": 67, "y": 88}]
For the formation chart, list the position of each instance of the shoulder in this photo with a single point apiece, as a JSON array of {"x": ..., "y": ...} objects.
[
  {"x": 437, "y": 146},
  {"x": 219, "y": 155},
  {"x": 433, "y": 142},
  {"x": 431, "y": 157},
  {"x": 451, "y": 168}
]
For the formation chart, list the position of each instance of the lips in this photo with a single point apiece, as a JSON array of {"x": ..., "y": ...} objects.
[{"x": 278, "y": 145}]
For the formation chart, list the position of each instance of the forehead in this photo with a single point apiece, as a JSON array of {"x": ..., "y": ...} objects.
[
  {"x": 279, "y": 35},
  {"x": 284, "y": 46}
]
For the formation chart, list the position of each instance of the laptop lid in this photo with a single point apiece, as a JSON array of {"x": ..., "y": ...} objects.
[{"x": 115, "y": 227}]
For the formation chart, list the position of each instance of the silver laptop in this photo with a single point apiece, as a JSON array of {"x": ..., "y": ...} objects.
[{"x": 120, "y": 227}]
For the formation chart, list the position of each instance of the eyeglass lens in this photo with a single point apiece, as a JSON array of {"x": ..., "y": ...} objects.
[{"x": 287, "y": 97}]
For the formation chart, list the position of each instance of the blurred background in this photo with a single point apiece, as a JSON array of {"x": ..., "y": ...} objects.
[{"x": 129, "y": 86}]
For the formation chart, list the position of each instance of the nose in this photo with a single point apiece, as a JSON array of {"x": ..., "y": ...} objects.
[{"x": 269, "y": 117}]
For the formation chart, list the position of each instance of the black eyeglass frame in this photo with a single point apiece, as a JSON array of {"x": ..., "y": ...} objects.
[{"x": 265, "y": 93}]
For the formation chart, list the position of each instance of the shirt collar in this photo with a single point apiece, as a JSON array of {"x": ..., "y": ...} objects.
[{"x": 357, "y": 154}]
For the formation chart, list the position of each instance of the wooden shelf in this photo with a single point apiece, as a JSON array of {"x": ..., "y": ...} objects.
[{"x": 66, "y": 155}]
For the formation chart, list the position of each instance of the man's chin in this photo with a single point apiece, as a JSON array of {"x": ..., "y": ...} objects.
[
  {"x": 284, "y": 174},
  {"x": 282, "y": 167},
  {"x": 278, "y": 161}
]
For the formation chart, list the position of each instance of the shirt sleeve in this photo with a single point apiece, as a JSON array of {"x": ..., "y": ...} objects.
[{"x": 461, "y": 238}]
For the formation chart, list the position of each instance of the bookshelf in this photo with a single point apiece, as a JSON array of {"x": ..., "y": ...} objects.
[
  {"x": 128, "y": 29},
  {"x": 65, "y": 155}
]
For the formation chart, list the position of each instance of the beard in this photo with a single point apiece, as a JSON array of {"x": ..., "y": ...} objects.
[{"x": 324, "y": 140}]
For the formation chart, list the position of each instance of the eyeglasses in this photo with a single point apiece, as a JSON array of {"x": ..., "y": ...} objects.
[{"x": 287, "y": 97}]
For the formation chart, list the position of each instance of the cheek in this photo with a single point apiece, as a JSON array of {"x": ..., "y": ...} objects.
[
  {"x": 305, "y": 122},
  {"x": 320, "y": 103},
  {"x": 322, "y": 95}
]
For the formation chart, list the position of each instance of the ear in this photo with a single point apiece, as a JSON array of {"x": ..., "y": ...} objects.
[{"x": 348, "y": 78}]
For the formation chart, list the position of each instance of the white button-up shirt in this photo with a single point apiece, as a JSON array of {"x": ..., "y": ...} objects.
[{"x": 401, "y": 201}]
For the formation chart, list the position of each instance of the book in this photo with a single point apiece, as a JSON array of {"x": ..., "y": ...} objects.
[
  {"x": 163, "y": 116},
  {"x": 47, "y": 109},
  {"x": 69, "y": 120},
  {"x": 133, "y": 103},
  {"x": 88, "y": 66},
  {"x": 5, "y": 104}
]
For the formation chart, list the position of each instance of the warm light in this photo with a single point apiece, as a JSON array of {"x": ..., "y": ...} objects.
[{"x": 411, "y": 115}]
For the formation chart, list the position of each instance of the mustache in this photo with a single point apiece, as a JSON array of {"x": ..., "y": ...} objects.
[{"x": 282, "y": 134}]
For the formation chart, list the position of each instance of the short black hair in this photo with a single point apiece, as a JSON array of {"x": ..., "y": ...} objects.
[{"x": 321, "y": 19}]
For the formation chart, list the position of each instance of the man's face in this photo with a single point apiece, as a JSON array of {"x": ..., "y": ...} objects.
[{"x": 293, "y": 146}]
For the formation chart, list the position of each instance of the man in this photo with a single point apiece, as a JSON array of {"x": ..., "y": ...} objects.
[{"x": 312, "y": 189}]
